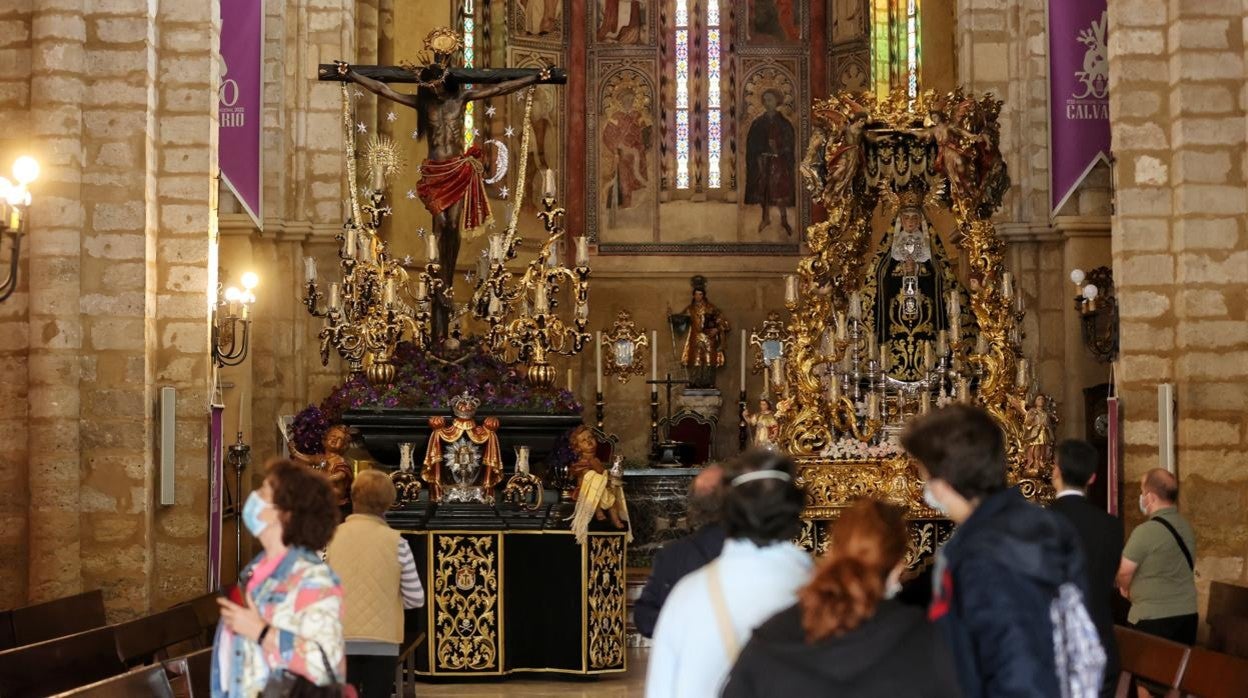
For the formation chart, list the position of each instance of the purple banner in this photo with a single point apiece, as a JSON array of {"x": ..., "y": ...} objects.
[
  {"x": 1078, "y": 93},
  {"x": 242, "y": 34},
  {"x": 216, "y": 477}
]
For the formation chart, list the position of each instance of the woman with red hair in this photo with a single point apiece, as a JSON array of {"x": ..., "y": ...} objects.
[{"x": 846, "y": 636}]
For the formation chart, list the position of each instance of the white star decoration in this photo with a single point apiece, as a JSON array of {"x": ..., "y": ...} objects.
[
  {"x": 361, "y": 127},
  {"x": 470, "y": 276},
  {"x": 509, "y": 132},
  {"x": 420, "y": 232},
  {"x": 503, "y": 192},
  {"x": 391, "y": 116},
  {"x": 356, "y": 93},
  {"x": 415, "y": 134},
  {"x": 489, "y": 111},
  {"x": 411, "y": 193},
  {"x": 476, "y": 132}
]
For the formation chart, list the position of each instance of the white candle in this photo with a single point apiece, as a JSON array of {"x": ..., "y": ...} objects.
[
  {"x": 873, "y": 348},
  {"x": 422, "y": 290},
  {"x": 598, "y": 360},
  {"x": 552, "y": 262},
  {"x": 743, "y": 343},
  {"x": 942, "y": 345},
  {"x": 582, "y": 311},
  {"x": 842, "y": 326},
  {"x": 654, "y": 360},
  {"x": 496, "y": 247},
  {"x": 790, "y": 288},
  {"x": 495, "y": 304},
  {"x": 925, "y": 405},
  {"x": 855, "y": 306},
  {"x": 334, "y": 296},
  {"x": 309, "y": 270},
  {"x": 349, "y": 246},
  {"x": 431, "y": 247},
  {"x": 364, "y": 249},
  {"x": 873, "y": 406},
  {"x": 955, "y": 306},
  {"x": 389, "y": 295},
  {"x": 1007, "y": 286},
  {"x": 582, "y": 251},
  {"x": 1020, "y": 379},
  {"x": 834, "y": 390},
  {"x": 885, "y": 360},
  {"x": 767, "y": 381},
  {"x": 548, "y": 186},
  {"x": 569, "y": 380},
  {"x": 929, "y": 356},
  {"x": 522, "y": 459}
]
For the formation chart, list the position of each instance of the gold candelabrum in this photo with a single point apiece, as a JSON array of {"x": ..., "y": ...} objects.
[
  {"x": 372, "y": 306},
  {"x": 833, "y": 381},
  {"x": 523, "y": 309}
]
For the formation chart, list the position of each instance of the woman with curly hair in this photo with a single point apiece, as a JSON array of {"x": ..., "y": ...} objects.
[
  {"x": 290, "y": 621},
  {"x": 845, "y": 636}
]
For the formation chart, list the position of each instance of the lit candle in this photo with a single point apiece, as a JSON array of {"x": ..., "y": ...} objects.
[
  {"x": 654, "y": 360},
  {"x": 389, "y": 295},
  {"x": 855, "y": 306},
  {"x": 743, "y": 343},
  {"x": 790, "y": 288},
  {"x": 540, "y": 303},
  {"x": 349, "y": 246},
  {"x": 309, "y": 270},
  {"x": 431, "y": 247},
  {"x": 1007, "y": 286},
  {"x": 335, "y": 301},
  {"x": 942, "y": 346},
  {"x": 422, "y": 290},
  {"x": 582, "y": 251},
  {"x": 598, "y": 360}
]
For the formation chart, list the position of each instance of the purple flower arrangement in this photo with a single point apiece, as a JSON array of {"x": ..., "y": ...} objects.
[{"x": 424, "y": 381}]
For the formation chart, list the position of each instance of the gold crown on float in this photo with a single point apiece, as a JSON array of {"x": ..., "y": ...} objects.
[
  {"x": 464, "y": 405},
  {"x": 911, "y": 198}
]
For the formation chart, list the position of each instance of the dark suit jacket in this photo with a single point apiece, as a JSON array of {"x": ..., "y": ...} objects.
[
  {"x": 673, "y": 561},
  {"x": 1101, "y": 535}
]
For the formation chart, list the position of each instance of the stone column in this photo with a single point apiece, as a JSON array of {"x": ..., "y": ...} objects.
[{"x": 58, "y": 90}]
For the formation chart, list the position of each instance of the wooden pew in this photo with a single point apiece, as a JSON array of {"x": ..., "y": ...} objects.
[
  {"x": 1214, "y": 675},
  {"x": 190, "y": 674},
  {"x": 44, "y": 621},
  {"x": 7, "y": 641},
  {"x": 144, "y": 681},
  {"x": 142, "y": 640},
  {"x": 1228, "y": 619},
  {"x": 49, "y": 667},
  {"x": 1156, "y": 661},
  {"x": 207, "y": 612}
]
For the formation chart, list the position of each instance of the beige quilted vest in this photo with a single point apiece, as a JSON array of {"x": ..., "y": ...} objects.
[{"x": 364, "y": 554}]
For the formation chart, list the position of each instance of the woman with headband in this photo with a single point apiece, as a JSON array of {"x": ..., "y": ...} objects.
[{"x": 710, "y": 613}]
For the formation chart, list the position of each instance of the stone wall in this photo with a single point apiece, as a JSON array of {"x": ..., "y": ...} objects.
[{"x": 1180, "y": 255}]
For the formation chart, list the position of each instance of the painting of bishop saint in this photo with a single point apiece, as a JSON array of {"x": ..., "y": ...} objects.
[
  {"x": 621, "y": 22},
  {"x": 626, "y": 169},
  {"x": 770, "y": 165},
  {"x": 538, "y": 17}
]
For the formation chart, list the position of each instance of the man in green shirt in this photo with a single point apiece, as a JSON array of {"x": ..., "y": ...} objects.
[{"x": 1157, "y": 572}]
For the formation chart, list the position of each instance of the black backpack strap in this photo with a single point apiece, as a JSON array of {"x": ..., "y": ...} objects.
[{"x": 1177, "y": 539}]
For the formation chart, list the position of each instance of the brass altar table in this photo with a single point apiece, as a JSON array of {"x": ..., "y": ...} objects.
[{"x": 519, "y": 599}]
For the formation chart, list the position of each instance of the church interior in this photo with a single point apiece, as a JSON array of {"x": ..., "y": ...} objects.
[{"x": 542, "y": 263}]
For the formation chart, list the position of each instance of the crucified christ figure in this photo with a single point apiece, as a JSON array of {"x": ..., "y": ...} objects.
[{"x": 452, "y": 178}]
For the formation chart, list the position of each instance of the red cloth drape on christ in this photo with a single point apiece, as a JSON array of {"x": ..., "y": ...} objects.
[{"x": 443, "y": 183}]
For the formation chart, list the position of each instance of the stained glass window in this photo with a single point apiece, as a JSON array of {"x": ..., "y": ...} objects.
[
  {"x": 682, "y": 94},
  {"x": 469, "y": 34},
  {"x": 712, "y": 94},
  {"x": 896, "y": 45}
]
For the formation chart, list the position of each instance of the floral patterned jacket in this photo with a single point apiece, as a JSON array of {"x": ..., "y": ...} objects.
[{"x": 302, "y": 601}]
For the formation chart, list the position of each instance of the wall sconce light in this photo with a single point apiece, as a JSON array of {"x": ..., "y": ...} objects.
[
  {"x": 229, "y": 343},
  {"x": 1098, "y": 311},
  {"x": 14, "y": 199}
]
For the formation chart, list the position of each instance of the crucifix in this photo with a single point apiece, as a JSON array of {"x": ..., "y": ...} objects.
[{"x": 452, "y": 182}]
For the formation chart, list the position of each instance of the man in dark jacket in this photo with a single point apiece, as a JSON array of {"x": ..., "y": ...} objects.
[
  {"x": 680, "y": 557},
  {"x": 998, "y": 576},
  {"x": 1101, "y": 538}
]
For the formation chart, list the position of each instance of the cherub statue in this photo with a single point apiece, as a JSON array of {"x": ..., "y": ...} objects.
[
  {"x": 835, "y": 157},
  {"x": 764, "y": 426},
  {"x": 597, "y": 493},
  {"x": 1038, "y": 428},
  {"x": 956, "y": 150},
  {"x": 340, "y": 470}
]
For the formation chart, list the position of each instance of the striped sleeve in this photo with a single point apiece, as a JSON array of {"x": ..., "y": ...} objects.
[{"x": 409, "y": 579}]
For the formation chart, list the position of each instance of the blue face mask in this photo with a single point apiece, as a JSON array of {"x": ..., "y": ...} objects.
[{"x": 251, "y": 513}]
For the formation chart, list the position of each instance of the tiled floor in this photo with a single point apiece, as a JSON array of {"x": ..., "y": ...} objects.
[{"x": 631, "y": 685}]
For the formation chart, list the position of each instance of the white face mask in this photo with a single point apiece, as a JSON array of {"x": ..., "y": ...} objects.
[
  {"x": 931, "y": 498},
  {"x": 1143, "y": 506},
  {"x": 892, "y": 588}
]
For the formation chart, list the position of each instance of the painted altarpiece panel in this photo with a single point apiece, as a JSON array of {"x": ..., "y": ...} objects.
[
  {"x": 538, "y": 20},
  {"x": 772, "y": 128},
  {"x": 773, "y": 22},
  {"x": 546, "y": 139},
  {"x": 622, "y": 22}
]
